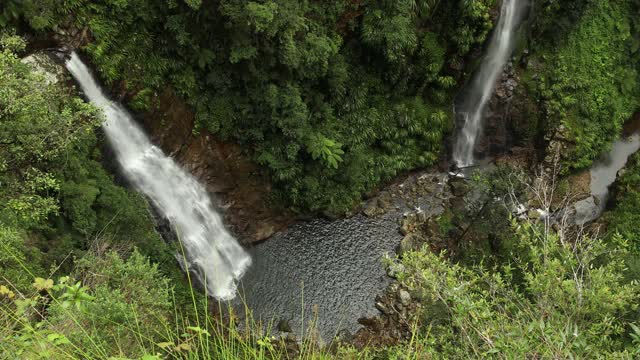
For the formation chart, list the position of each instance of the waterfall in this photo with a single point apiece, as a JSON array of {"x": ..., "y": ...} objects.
[
  {"x": 211, "y": 252},
  {"x": 483, "y": 84}
]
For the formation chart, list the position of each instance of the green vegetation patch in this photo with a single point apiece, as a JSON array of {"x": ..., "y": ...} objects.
[{"x": 590, "y": 79}]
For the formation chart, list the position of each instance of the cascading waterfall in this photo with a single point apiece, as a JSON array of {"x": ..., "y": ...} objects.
[
  {"x": 211, "y": 252},
  {"x": 484, "y": 82}
]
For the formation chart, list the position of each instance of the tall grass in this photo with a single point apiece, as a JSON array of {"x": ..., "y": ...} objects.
[{"x": 200, "y": 330}]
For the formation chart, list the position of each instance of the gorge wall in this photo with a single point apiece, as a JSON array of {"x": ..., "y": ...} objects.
[{"x": 240, "y": 185}]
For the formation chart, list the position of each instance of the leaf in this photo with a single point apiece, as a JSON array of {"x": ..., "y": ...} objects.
[
  {"x": 165, "y": 344},
  {"x": 58, "y": 339},
  {"x": 42, "y": 284},
  {"x": 22, "y": 305},
  {"x": 5, "y": 291},
  {"x": 183, "y": 346},
  {"x": 198, "y": 330}
]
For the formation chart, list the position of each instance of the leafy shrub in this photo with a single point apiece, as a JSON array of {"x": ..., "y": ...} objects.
[
  {"x": 554, "y": 298},
  {"x": 590, "y": 82}
]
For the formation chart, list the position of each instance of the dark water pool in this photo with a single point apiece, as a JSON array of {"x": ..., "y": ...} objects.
[{"x": 332, "y": 266}]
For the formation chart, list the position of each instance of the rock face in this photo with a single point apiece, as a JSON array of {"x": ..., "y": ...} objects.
[
  {"x": 45, "y": 65},
  {"x": 496, "y": 137},
  {"x": 508, "y": 122},
  {"x": 239, "y": 185}
]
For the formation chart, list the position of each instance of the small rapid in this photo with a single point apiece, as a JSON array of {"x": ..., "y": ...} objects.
[
  {"x": 603, "y": 174},
  {"x": 209, "y": 249},
  {"x": 473, "y": 107}
]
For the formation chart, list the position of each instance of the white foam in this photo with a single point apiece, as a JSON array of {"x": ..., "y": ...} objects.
[{"x": 211, "y": 252}]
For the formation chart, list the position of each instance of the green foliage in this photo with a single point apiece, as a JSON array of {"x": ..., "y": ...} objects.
[
  {"x": 624, "y": 219},
  {"x": 15, "y": 258},
  {"x": 590, "y": 80},
  {"x": 553, "y": 299},
  {"x": 38, "y": 123},
  {"x": 56, "y": 197},
  {"x": 121, "y": 307},
  {"x": 303, "y": 86}
]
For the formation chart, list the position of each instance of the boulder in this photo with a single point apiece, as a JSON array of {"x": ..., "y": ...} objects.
[
  {"x": 382, "y": 308},
  {"x": 370, "y": 209},
  {"x": 395, "y": 269},
  {"x": 284, "y": 326},
  {"x": 459, "y": 187},
  {"x": 411, "y": 241},
  {"x": 44, "y": 64},
  {"x": 404, "y": 297},
  {"x": 408, "y": 224}
]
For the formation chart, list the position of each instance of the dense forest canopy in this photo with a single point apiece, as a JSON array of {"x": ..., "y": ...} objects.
[{"x": 332, "y": 99}]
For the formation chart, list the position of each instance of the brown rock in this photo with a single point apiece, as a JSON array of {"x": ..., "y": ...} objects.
[{"x": 222, "y": 167}]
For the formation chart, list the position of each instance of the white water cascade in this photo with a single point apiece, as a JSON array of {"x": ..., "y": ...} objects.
[
  {"x": 483, "y": 84},
  {"x": 211, "y": 252}
]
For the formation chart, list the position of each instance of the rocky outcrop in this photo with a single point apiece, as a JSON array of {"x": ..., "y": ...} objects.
[
  {"x": 241, "y": 188},
  {"x": 508, "y": 125},
  {"x": 428, "y": 195},
  {"x": 46, "y": 66}
]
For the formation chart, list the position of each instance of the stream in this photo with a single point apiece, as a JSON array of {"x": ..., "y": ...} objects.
[{"x": 603, "y": 174}]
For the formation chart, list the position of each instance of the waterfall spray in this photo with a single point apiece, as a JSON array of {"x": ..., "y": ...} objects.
[
  {"x": 211, "y": 252},
  {"x": 483, "y": 84}
]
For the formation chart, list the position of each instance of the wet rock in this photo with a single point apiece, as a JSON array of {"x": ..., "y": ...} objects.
[
  {"x": 409, "y": 224},
  {"x": 459, "y": 187},
  {"x": 410, "y": 242},
  {"x": 431, "y": 228},
  {"x": 382, "y": 307},
  {"x": 370, "y": 322},
  {"x": 393, "y": 288},
  {"x": 457, "y": 204},
  {"x": 621, "y": 173},
  {"x": 370, "y": 209},
  {"x": 395, "y": 269},
  {"x": 404, "y": 297},
  {"x": 379, "y": 205},
  {"x": 263, "y": 231},
  {"x": 284, "y": 326},
  {"x": 384, "y": 201},
  {"x": 344, "y": 336}
]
